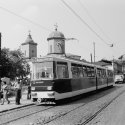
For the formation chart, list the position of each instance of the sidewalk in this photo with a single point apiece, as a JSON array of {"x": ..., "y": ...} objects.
[{"x": 24, "y": 102}]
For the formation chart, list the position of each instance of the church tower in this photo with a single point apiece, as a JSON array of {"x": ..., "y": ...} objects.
[
  {"x": 56, "y": 42},
  {"x": 29, "y": 47}
]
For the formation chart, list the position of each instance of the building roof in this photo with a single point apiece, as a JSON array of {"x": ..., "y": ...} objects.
[
  {"x": 69, "y": 55},
  {"x": 103, "y": 62},
  {"x": 29, "y": 40}
]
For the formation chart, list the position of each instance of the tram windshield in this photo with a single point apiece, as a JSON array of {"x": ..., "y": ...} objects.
[{"x": 42, "y": 70}]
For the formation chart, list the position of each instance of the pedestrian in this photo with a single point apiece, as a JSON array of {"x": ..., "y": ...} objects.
[
  {"x": 5, "y": 92},
  {"x": 17, "y": 87},
  {"x": 29, "y": 92}
]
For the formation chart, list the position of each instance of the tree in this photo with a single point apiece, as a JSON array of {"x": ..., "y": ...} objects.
[
  {"x": 6, "y": 65},
  {"x": 14, "y": 64}
]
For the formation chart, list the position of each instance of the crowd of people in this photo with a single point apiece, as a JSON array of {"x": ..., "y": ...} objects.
[{"x": 17, "y": 87}]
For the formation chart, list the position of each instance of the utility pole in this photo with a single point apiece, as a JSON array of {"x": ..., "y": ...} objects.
[
  {"x": 91, "y": 57},
  {"x": 0, "y": 66},
  {"x": 94, "y": 50}
]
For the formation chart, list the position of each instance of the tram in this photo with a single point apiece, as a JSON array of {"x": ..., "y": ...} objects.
[{"x": 57, "y": 77}]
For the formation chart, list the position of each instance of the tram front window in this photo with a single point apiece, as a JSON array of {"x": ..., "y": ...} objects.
[{"x": 42, "y": 70}]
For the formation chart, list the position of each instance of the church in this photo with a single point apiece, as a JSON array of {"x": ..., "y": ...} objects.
[
  {"x": 56, "y": 46},
  {"x": 29, "y": 47}
]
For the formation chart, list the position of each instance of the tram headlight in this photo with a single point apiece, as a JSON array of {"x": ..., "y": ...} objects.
[
  {"x": 49, "y": 88},
  {"x": 51, "y": 94},
  {"x": 32, "y": 88}
]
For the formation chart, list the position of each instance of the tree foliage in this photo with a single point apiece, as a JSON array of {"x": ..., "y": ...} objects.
[{"x": 13, "y": 64}]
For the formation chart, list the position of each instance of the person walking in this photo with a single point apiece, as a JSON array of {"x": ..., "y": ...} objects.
[
  {"x": 29, "y": 91},
  {"x": 5, "y": 91},
  {"x": 17, "y": 87}
]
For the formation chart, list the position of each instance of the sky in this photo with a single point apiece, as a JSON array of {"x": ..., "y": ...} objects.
[{"x": 102, "y": 22}]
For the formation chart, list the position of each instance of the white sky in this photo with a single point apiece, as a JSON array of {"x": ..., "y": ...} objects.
[{"x": 108, "y": 14}]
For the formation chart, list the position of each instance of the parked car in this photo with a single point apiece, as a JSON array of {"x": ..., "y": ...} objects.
[{"x": 119, "y": 79}]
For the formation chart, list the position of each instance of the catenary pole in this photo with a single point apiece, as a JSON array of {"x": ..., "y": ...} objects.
[{"x": 94, "y": 50}]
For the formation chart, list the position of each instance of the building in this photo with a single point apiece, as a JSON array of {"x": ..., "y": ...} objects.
[
  {"x": 29, "y": 48},
  {"x": 56, "y": 42},
  {"x": 56, "y": 45},
  {"x": 115, "y": 65},
  {"x": 122, "y": 60}
]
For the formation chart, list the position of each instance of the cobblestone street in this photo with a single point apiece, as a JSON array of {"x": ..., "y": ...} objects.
[
  {"x": 114, "y": 114},
  {"x": 78, "y": 111}
]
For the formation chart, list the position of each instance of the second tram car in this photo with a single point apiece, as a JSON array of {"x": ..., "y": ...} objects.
[{"x": 59, "y": 77}]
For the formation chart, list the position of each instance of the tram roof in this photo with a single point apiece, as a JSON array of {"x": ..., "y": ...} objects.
[{"x": 64, "y": 58}]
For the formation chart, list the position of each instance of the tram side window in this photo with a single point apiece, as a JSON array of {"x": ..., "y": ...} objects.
[
  {"x": 110, "y": 74},
  {"x": 80, "y": 72},
  {"x": 62, "y": 71},
  {"x": 104, "y": 73},
  {"x": 84, "y": 71},
  {"x": 99, "y": 74},
  {"x": 90, "y": 71},
  {"x": 75, "y": 72},
  {"x": 93, "y": 71}
]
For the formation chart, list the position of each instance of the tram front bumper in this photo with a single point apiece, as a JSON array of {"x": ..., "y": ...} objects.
[{"x": 48, "y": 94}]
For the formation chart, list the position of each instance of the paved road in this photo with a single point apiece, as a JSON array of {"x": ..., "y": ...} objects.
[{"x": 114, "y": 114}]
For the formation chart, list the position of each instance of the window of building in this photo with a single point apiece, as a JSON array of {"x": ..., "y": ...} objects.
[
  {"x": 25, "y": 52},
  {"x": 50, "y": 48}
]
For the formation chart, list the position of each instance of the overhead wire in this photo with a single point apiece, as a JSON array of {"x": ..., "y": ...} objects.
[
  {"x": 79, "y": 17},
  {"x": 26, "y": 19},
  {"x": 91, "y": 17}
]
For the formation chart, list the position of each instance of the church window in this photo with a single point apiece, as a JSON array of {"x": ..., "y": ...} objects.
[
  {"x": 50, "y": 48},
  {"x": 32, "y": 53},
  {"x": 25, "y": 52}
]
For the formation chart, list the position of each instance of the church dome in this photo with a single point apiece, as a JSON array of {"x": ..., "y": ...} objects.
[{"x": 56, "y": 35}]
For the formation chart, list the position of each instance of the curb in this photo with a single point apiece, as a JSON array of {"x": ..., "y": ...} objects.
[{"x": 16, "y": 108}]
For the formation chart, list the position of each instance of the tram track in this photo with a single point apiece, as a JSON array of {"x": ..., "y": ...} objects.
[
  {"x": 16, "y": 114},
  {"x": 63, "y": 112},
  {"x": 100, "y": 110},
  {"x": 89, "y": 119}
]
